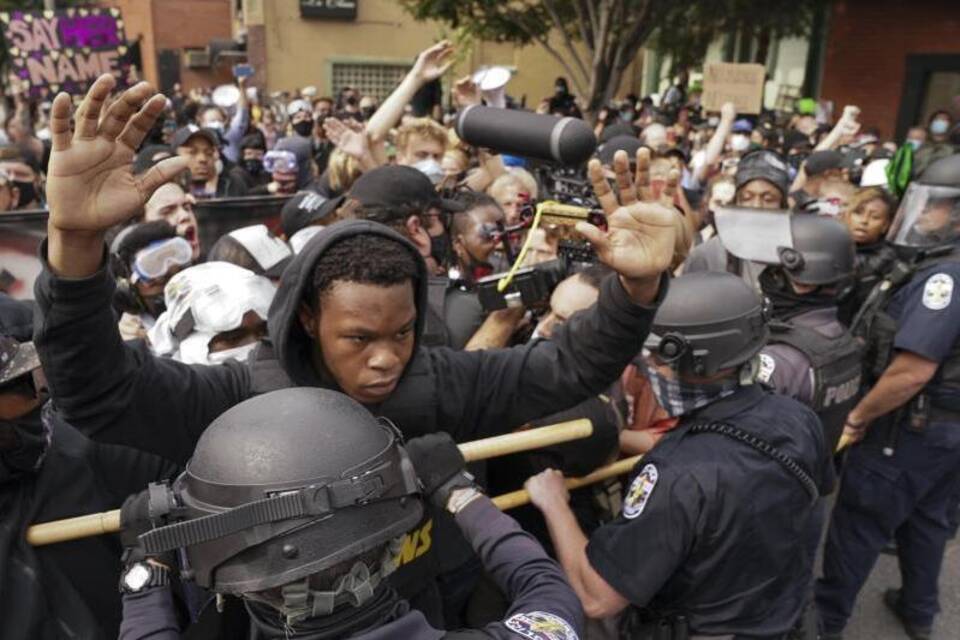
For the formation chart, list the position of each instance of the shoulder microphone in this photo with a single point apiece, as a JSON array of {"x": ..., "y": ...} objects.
[{"x": 532, "y": 135}]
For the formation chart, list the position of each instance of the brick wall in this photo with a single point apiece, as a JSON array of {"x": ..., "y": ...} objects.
[{"x": 867, "y": 45}]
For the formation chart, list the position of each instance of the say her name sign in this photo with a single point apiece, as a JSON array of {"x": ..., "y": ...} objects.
[{"x": 64, "y": 50}]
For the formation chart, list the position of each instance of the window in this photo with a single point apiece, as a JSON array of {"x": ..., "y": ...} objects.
[{"x": 370, "y": 79}]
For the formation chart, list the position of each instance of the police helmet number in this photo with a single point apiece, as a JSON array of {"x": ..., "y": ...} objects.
[
  {"x": 640, "y": 491},
  {"x": 938, "y": 292}
]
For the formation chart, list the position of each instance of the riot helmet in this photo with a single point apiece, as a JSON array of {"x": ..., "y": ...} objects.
[
  {"x": 929, "y": 215},
  {"x": 709, "y": 321},
  {"x": 810, "y": 249},
  {"x": 286, "y": 485}
]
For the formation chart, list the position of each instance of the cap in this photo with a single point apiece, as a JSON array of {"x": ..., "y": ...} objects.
[
  {"x": 297, "y": 106},
  {"x": 16, "y": 358},
  {"x": 763, "y": 164},
  {"x": 806, "y": 106},
  {"x": 793, "y": 139},
  {"x": 392, "y": 192},
  {"x": 271, "y": 253},
  {"x": 822, "y": 161},
  {"x": 630, "y": 144},
  {"x": 304, "y": 209},
  {"x": 616, "y": 130},
  {"x": 183, "y": 135},
  {"x": 742, "y": 126}
]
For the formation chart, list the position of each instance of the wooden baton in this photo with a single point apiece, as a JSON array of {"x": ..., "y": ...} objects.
[
  {"x": 95, "y": 524},
  {"x": 521, "y": 497}
]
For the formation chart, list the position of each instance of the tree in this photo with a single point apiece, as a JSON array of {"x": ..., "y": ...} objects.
[{"x": 595, "y": 40}]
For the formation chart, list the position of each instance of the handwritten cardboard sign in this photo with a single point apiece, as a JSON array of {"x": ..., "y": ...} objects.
[
  {"x": 741, "y": 84},
  {"x": 65, "y": 50}
]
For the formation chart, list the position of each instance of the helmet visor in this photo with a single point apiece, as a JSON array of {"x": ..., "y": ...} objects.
[
  {"x": 928, "y": 217},
  {"x": 754, "y": 234}
]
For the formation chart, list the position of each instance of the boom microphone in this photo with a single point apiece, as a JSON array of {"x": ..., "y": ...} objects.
[{"x": 531, "y": 135}]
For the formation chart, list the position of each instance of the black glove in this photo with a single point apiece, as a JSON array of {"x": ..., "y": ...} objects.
[
  {"x": 440, "y": 466},
  {"x": 135, "y": 519}
]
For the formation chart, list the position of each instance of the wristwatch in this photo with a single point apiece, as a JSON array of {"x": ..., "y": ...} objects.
[{"x": 143, "y": 575}]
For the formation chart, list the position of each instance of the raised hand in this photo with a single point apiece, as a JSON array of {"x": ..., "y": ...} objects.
[
  {"x": 641, "y": 234},
  {"x": 351, "y": 138},
  {"x": 466, "y": 92},
  {"x": 90, "y": 183},
  {"x": 433, "y": 62}
]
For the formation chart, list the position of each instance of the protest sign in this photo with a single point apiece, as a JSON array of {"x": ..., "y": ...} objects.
[
  {"x": 741, "y": 84},
  {"x": 65, "y": 50}
]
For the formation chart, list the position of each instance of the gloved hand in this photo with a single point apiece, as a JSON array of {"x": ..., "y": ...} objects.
[
  {"x": 135, "y": 520},
  {"x": 440, "y": 466}
]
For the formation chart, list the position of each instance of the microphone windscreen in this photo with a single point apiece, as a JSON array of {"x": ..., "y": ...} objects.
[{"x": 568, "y": 140}]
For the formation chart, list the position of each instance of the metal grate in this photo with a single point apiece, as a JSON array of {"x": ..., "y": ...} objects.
[{"x": 370, "y": 79}]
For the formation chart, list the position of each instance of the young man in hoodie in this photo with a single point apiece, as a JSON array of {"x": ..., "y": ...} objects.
[{"x": 357, "y": 332}]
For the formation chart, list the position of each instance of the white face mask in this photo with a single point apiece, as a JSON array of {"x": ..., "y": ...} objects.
[
  {"x": 430, "y": 168},
  {"x": 739, "y": 142},
  {"x": 216, "y": 125},
  {"x": 240, "y": 354}
]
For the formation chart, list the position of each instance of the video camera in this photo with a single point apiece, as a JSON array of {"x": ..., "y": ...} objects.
[{"x": 530, "y": 287}]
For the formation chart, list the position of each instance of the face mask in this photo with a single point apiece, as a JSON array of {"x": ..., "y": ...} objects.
[
  {"x": 33, "y": 438},
  {"x": 739, "y": 142},
  {"x": 240, "y": 354},
  {"x": 914, "y": 143},
  {"x": 939, "y": 127},
  {"x": 796, "y": 160},
  {"x": 367, "y": 112},
  {"x": 216, "y": 125},
  {"x": 680, "y": 398},
  {"x": 430, "y": 168},
  {"x": 28, "y": 193},
  {"x": 303, "y": 128},
  {"x": 439, "y": 248},
  {"x": 155, "y": 305},
  {"x": 254, "y": 166},
  {"x": 626, "y": 116}
]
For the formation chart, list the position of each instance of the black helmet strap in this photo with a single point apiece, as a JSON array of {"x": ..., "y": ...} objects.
[{"x": 308, "y": 502}]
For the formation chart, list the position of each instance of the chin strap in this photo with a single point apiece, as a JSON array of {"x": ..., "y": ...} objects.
[{"x": 356, "y": 588}]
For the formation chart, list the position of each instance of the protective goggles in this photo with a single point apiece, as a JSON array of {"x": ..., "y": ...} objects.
[
  {"x": 156, "y": 260},
  {"x": 280, "y": 160}
]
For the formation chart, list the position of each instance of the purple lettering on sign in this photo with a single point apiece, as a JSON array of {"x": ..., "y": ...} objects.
[{"x": 95, "y": 32}]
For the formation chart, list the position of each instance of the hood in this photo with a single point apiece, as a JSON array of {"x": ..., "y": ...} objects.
[{"x": 291, "y": 343}]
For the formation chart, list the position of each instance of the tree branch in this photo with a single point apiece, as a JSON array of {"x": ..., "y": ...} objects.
[
  {"x": 584, "y": 23},
  {"x": 568, "y": 43}
]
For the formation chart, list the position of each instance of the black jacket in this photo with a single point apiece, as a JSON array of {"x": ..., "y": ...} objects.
[
  {"x": 67, "y": 590},
  {"x": 120, "y": 393}
]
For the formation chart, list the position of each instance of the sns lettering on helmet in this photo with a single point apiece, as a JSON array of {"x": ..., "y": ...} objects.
[
  {"x": 416, "y": 543},
  {"x": 840, "y": 393}
]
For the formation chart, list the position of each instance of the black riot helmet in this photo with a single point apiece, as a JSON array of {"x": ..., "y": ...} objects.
[
  {"x": 928, "y": 219},
  {"x": 810, "y": 249},
  {"x": 709, "y": 321},
  {"x": 286, "y": 485}
]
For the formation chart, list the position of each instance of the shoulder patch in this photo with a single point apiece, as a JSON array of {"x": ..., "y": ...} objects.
[
  {"x": 640, "y": 490},
  {"x": 767, "y": 366},
  {"x": 938, "y": 292},
  {"x": 540, "y": 625}
]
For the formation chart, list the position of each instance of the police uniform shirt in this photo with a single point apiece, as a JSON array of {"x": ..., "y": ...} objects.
[
  {"x": 715, "y": 530},
  {"x": 928, "y": 312}
]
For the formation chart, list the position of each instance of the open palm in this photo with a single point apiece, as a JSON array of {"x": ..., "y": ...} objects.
[{"x": 90, "y": 185}]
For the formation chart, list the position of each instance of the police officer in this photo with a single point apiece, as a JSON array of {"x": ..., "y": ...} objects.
[
  {"x": 810, "y": 356},
  {"x": 901, "y": 482},
  {"x": 710, "y": 539},
  {"x": 304, "y": 526},
  {"x": 762, "y": 183}
]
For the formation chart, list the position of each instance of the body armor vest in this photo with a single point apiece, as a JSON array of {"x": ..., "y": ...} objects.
[{"x": 837, "y": 369}]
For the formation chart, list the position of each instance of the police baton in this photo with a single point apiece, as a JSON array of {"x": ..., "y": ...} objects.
[
  {"x": 521, "y": 497},
  {"x": 96, "y": 524}
]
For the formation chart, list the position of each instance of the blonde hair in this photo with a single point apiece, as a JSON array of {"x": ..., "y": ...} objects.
[
  {"x": 424, "y": 128},
  {"x": 867, "y": 194},
  {"x": 515, "y": 176},
  {"x": 342, "y": 171}
]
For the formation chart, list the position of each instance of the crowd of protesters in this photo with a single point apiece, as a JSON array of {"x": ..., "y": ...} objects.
[{"x": 140, "y": 337}]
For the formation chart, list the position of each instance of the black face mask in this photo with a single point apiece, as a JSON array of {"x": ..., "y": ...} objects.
[
  {"x": 253, "y": 166},
  {"x": 367, "y": 112},
  {"x": 28, "y": 193},
  {"x": 32, "y": 439},
  {"x": 304, "y": 128},
  {"x": 440, "y": 248},
  {"x": 155, "y": 305}
]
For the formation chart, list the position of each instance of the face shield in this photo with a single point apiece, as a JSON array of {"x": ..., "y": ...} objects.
[{"x": 928, "y": 217}]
